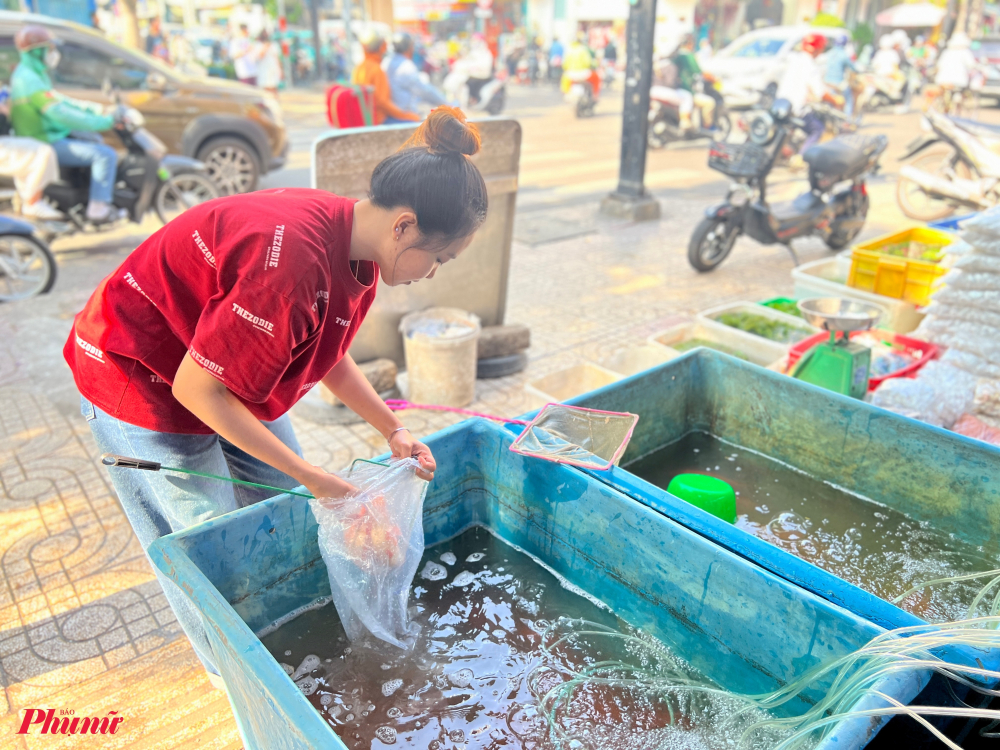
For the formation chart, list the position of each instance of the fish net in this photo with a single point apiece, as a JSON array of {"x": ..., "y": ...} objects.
[{"x": 588, "y": 438}]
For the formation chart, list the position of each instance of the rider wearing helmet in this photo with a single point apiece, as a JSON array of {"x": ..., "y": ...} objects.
[
  {"x": 37, "y": 111},
  {"x": 407, "y": 87},
  {"x": 802, "y": 85},
  {"x": 370, "y": 73},
  {"x": 838, "y": 64}
]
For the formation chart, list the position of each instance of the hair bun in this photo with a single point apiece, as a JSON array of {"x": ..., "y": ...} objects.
[{"x": 445, "y": 131}]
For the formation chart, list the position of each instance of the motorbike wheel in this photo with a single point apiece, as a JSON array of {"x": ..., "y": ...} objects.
[
  {"x": 723, "y": 127},
  {"x": 497, "y": 103},
  {"x": 181, "y": 192},
  {"x": 840, "y": 238},
  {"x": 27, "y": 267},
  {"x": 711, "y": 243},
  {"x": 917, "y": 204}
]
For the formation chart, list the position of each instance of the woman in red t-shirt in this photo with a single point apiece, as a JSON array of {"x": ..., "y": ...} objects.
[{"x": 192, "y": 352}]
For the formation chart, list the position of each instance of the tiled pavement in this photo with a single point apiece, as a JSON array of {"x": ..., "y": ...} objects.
[{"x": 83, "y": 623}]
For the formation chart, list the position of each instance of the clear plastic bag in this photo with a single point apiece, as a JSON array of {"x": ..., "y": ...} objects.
[
  {"x": 973, "y": 427},
  {"x": 975, "y": 280},
  {"x": 983, "y": 300},
  {"x": 372, "y": 543},
  {"x": 958, "y": 313},
  {"x": 987, "y": 398},
  {"x": 939, "y": 394},
  {"x": 976, "y": 263},
  {"x": 972, "y": 363}
]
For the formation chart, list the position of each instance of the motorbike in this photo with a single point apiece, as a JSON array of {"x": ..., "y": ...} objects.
[
  {"x": 664, "y": 115},
  {"x": 882, "y": 92},
  {"x": 834, "y": 208},
  {"x": 477, "y": 94},
  {"x": 27, "y": 266},
  {"x": 147, "y": 178},
  {"x": 584, "y": 88},
  {"x": 962, "y": 170},
  {"x": 835, "y": 124}
]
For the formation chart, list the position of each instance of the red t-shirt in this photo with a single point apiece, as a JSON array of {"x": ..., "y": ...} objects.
[{"x": 259, "y": 288}]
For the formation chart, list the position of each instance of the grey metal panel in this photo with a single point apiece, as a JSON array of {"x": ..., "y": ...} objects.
[{"x": 342, "y": 163}]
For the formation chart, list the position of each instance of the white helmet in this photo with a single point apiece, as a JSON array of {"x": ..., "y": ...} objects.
[
  {"x": 885, "y": 42},
  {"x": 900, "y": 37}
]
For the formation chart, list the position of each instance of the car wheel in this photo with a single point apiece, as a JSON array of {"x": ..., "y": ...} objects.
[
  {"x": 232, "y": 164},
  {"x": 181, "y": 192}
]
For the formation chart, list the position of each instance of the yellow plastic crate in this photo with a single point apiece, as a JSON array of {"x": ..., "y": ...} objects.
[{"x": 892, "y": 265}]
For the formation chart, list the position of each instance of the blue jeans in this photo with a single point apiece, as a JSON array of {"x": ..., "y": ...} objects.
[
  {"x": 158, "y": 504},
  {"x": 100, "y": 157}
]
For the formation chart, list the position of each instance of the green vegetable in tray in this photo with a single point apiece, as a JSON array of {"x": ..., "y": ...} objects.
[
  {"x": 768, "y": 328},
  {"x": 786, "y": 306},
  {"x": 686, "y": 346},
  {"x": 932, "y": 252}
]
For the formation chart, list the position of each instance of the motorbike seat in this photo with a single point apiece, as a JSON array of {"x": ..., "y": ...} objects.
[
  {"x": 844, "y": 157},
  {"x": 976, "y": 127}
]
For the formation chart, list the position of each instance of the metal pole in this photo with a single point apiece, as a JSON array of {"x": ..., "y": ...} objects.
[
  {"x": 317, "y": 43},
  {"x": 348, "y": 11},
  {"x": 631, "y": 200},
  {"x": 286, "y": 60}
]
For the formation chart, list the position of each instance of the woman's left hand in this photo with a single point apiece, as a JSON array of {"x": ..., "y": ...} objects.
[{"x": 404, "y": 445}]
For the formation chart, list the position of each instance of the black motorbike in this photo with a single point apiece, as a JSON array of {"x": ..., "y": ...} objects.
[
  {"x": 834, "y": 208},
  {"x": 147, "y": 178}
]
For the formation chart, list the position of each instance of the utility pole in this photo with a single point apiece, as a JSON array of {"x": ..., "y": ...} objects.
[
  {"x": 630, "y": 200},
  {"x": 286, "y": 50},
  {"x": 317, "y": 43},
  {"x": 348, "y": 11}
]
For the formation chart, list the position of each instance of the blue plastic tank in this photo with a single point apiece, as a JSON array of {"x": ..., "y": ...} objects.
[{"x": 740, "y": 625}]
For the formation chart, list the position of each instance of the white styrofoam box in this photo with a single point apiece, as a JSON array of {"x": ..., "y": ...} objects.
[
  {"x": 573, "y": 381},
  {"x": 762, "y": 351},
  {"x": 828, "y": 278}
]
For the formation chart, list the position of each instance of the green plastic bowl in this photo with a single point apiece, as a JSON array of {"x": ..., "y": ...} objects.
[{"x": 710, "y": 494}]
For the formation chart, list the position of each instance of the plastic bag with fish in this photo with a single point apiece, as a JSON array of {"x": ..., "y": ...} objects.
[{"x": 371, "y": 543}]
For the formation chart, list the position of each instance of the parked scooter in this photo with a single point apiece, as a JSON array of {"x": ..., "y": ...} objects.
[
  {"x": 963, "y": 172},
  {"x": 664, "y": 115},
  {"x": 834, "y": 208},
  {"x": 27, "y": 266}
]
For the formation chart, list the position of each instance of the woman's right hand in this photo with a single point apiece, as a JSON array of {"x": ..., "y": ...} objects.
[{"x": 329, "y": 486}]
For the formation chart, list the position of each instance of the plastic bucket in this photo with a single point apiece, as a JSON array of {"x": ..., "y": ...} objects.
[
  {"x": 440, "y": 345},
  {"x": 739, "y": 625}
]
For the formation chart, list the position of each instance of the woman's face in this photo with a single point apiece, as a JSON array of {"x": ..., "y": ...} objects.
[{"x": 409, "y": 262}]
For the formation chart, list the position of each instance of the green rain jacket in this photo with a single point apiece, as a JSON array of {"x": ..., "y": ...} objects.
[{"x": 37, "y": 111}]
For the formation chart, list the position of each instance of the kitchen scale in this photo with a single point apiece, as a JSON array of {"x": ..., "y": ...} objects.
[{"x": 838, "y": 364}]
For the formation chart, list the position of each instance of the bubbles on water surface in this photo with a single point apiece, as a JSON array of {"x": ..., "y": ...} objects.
[
  {"x": 391, "y": 686},
  {"x": 308, "y": 664},
  {"x": 462, "y": 678},
  {"x": 289, "y": 669},
  {"x": 307, "y": 685},
  {"x": 475, "y": 557},
  {"x": 386, "y": 735},
  {"x": 326, "y": 700},
  {"x": 448, "y": 558},
  {"x": 433, "y": 572},
  {"x": 465, "y": 578},
  {"x": 394, "y": 712}
]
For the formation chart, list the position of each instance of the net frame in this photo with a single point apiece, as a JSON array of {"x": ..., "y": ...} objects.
[{"x": 518, "y": 446}]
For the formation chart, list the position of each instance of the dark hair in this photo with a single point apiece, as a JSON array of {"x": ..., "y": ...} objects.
[{"x": 433, "y": 175}]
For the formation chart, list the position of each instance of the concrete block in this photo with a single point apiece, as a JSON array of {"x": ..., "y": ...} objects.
[
  {"x": 643, "y": 208},
  {"x": 503, "y": 341},
  {"x": 381, "y": 373}
]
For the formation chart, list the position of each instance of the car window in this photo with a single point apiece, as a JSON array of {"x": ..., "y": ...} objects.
[
  {"x": 760, "y": 47},
  {"x": 85, "y": 68},
  {"x": 8, "y": 58}
]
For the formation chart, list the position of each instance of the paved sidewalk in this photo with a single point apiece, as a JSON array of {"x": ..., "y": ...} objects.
[{"x": 83, "y": 624}]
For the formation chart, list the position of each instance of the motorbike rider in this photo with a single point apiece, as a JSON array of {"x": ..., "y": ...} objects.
[
  {"x": 578, "y": 60},
  {"x": 407, "y": 87},
  {"x": 954, "y": 69},
  {"x": 839, "y": 66},
  {"x": 37, "y": 111},
  {"x": 802, "y": 85},
  {"x": 370, "y": 73},
  {"x": 478, "y": 66},
  {"x": 688, "y": 73}
]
